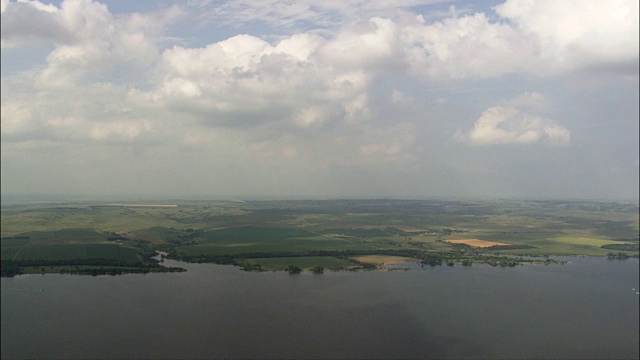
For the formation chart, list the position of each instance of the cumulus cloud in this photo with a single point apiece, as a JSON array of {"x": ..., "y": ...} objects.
[
  {"x": 576, "y": 33},
  {"x": 319, "y": 84},
  {"x": 88, "y": 39},
  {"x": 24, "y": 22},
  {"x": 307, "y": 81},
  {"x": 539, "y": 36},
  {"x": 247, "y": 75},
  {"x": 467, "y": 46},
  {"x": 91, "y": 113},
  {"x": 515, "y": 124},
  {"x": 376, "y": 41}
]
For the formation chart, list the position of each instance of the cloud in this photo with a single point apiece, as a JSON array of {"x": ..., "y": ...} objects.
[
  {"x": 462, "y": 47},
  {"x": 16, "y": 118},
  {"x": 128, "y": 130},
  {"x": 89, "y": 41},
  {"x": 324, "y": 89},
  {"x": 310, "y": 13},
  {"x": 376, "y": 41},
  {"x": 99, "y": 112},
  {"x": 537, "y": 37},
  {"x": 33, "y": 21},
  {"x": 264, "y": 83},
  {"x": 400, "y": 98},
  {"x": 515, "y": 123},
  {"x": 576, "y": 33},
  {"x": 540, "y": 37}
]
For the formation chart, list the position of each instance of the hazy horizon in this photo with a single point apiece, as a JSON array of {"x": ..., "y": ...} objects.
[
  {"x": 36, "y": 198},
  {"x": 282, "y": 99}
]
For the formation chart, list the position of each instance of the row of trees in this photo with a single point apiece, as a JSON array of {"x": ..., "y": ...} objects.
[
  {"x": 294, "y": 269},
  {"x": 619, "y": 255},
  {"x": 93, "y": 266}
]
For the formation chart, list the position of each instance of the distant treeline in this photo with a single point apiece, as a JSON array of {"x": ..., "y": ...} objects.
[
  {"x": 619, "y": 255},
  {"x": 622, "y": 247},
  {"x": 89, "y": 266}
]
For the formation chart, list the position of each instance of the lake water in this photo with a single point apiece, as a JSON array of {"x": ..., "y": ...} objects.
[{"x": 583, "y": 309}]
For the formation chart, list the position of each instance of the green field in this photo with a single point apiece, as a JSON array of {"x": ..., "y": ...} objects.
[
  {"x": 309, "y": 233},
  {"x": 304, "y": 262}
]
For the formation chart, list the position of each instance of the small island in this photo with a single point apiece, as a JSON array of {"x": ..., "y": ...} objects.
[{"x": 308, "y": 235}]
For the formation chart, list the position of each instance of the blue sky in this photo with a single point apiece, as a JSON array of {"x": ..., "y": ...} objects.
[{"x": 320, "y": 99}]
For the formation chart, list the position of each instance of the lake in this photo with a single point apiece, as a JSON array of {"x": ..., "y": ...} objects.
[{"x": 583, "y": 309}]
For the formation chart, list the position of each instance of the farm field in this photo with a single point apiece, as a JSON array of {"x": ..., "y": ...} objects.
[
  {"x": 332, "y": 234},
  {"x": 476, "y": 243}
]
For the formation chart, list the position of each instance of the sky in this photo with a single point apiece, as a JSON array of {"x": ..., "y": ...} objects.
[{"x": 320, "y": 99}]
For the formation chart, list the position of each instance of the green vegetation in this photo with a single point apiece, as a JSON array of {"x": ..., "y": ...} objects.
[
  {"x": 304, "y": 262},
  {"x": 91, "y": 238}
]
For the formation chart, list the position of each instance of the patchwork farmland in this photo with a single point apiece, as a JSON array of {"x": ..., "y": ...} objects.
[{"x": 329, "y": 234}]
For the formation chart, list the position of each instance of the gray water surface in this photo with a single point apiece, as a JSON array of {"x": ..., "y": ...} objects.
[{"x": 584, "y": 309}]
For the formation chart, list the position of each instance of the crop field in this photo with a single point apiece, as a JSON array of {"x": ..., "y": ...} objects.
[
  {"x": 382, "y": 259},
  {"x": 74, "y": 251},
  {"x": 476, "y": 243},
  {"x": 284, "y": 245},
  {"x": 318, "y": 232}
]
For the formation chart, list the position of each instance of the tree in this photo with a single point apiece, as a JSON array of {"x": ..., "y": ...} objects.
[{"x": 293, "y": 269}]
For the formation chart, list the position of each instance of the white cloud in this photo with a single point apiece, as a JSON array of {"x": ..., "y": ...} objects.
[
  {"x": 245, "y": 75},
  {"x": 327, "y": 86},
  {"x": 515, "y": 124},
  {"x": 98, "y": 112},
  {"x": 468, "y": 46},
  {"x": 88, "y": 39},
  {"x": 576, "y": 33},
  {"x": 538, "y": 36},
  {"x": 370, "y": 44}
]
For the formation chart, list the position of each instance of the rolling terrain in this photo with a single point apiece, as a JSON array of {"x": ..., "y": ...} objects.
[{"x": 113, "y": 238}]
